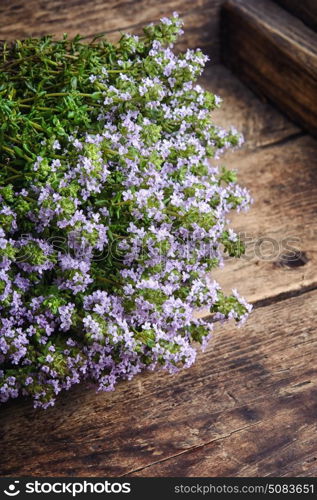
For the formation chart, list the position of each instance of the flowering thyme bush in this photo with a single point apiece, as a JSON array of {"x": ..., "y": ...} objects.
[{"x": 111, "y": 214}]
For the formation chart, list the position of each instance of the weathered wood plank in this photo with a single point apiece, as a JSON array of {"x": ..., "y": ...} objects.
[
  {"x": 248, "y": 407},
  {"x": 274, "y": 53},
  {"x": 36, "y": 18},
  {"x": 277, "y": 432},
  {"x": 282, "y": 177},
  {"x": 281, "y": 255},
  {"x": 306, "y": 10},
  {"x": 258, "y": 121}
]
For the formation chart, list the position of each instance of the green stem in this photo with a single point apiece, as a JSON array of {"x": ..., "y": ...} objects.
[
  {"x": 54, "y": 94},
  {"x": 106, "y": 280},
  {"x": 8, "y": 179},
  {"x": 29, "y": 198},
  {"x": 45, "y": 108},
  {"x": 41, "y": 108},
  {"x": 53, "y": 63},
  {"x": 111, "y": 151},
  {"x": 10, "y": 168},
  {"x": 122, "y": 203},
  {"x": 18, "y": 61},
  {"x": 36, "y": 125},
  {"x": 12, "y": 152},
  {"x": 120, "y": 236},
  {"x": 8, "y": 150},
  {"x": 70, "y": 56},
  {"x": 175, "y": 214},
  {"x": 13, "y": 139}
]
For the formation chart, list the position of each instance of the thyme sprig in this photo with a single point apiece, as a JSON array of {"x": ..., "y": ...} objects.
[{"x": 111, "y": 214}]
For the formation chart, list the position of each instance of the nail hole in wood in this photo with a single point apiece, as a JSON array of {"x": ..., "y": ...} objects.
[{"x": 293, "y": 259}]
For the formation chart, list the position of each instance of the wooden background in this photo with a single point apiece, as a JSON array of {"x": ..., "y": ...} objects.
[
  {"x": 248, "y": 407},
  {"x": 24, "y": 18}
]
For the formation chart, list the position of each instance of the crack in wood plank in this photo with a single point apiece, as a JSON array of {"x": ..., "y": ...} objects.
[
  {"x": 284, "y": 296},
  {"x": 189, "y": 450},
  {"x": 283, "y": 140}
]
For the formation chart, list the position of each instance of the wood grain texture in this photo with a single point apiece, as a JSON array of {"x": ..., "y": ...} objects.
[
  {"x": 24, "y": 18},
  {"x": 248, "y": 406},
  {"x": 306, "y": 10},
  {"x": 258, "y": 121},
  {"x": 279, "y": 166},
  {"x": 274, "y": 53},
  {"x": 283, "y": 181}
]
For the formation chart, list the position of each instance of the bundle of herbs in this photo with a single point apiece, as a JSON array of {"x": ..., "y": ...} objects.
[{"x": 111, "y": 213}]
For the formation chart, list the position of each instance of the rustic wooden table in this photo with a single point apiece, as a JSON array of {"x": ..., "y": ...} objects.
[{"x": 249, "y": 405}]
